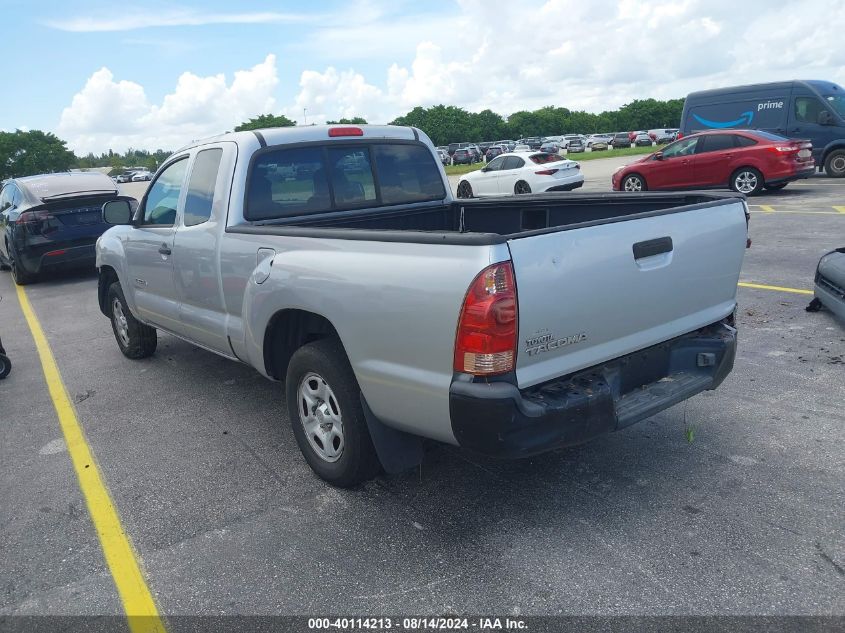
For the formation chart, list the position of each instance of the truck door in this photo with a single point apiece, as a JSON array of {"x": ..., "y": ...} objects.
[
  {"x": 149, "y": 249},
  {"x": 805, "y": 114},
  {"x": 202, "y": 315}
]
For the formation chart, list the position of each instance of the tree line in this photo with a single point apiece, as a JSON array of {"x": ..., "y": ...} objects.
[{"x": 24, "y": 153}]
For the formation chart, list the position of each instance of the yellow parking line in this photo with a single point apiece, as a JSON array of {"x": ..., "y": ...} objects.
[
  {"x": 137, "y": 600},
  {"x": 790, "y": 212},
  {"x": 840, "y": 209},
  {"x": 766, "y": 208},
  {"x": 798, "y": 291}
]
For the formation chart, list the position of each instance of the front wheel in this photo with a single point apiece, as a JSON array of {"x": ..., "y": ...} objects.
[
  {"x": 135, "y": 339},
  {"x": 634, "y": 182},
  {"x": 747, "y": 180},
  {"x": 325, "y": 411},
  {"x": 464, "y": 189},
  {"x": 521, "y": 187},
  {"x": 834, "y": 164}
]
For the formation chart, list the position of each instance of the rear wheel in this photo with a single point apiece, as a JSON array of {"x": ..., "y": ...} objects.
[
  {"x": 634, "y": 182},
  {"x": 834, "y": 164},
  {"x": 325, "y": 411},
  {"x": 747, "y": 180},
  {"x": 5, "y": 366},
  {"x": 135, "y": 339},
  {"x": 20, "y": 274},
  {"x": 464, "y": 189},
  {"x": 777, "y": 186},
  {"x": 521, "y": 187}
]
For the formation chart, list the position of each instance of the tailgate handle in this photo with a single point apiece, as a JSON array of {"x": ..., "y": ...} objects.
[{"x": 652, "y": 247}]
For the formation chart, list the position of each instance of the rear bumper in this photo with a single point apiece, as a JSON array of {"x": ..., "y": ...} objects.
[
  {"x": 43, "y": 258},
  {"x": 567, "y": 187},
  {"x": 794, "y": 175},
  {"x": 498, "y": 419}
]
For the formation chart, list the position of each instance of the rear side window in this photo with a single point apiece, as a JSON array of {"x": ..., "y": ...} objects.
[
  {"x": 715, "y": 143},
  {"x": 744, "y": 141},
  {"x": 513, "y": 162},
  {"x": 407, "y": 173},
  {"x": 201, "y": 186},
  {"x": 290, "y": 182}
]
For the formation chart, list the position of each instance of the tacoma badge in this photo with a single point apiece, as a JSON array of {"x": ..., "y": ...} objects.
[{"x": 547, "y": 342}]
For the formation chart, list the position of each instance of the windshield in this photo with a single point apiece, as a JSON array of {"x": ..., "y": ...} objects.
[
  {"x": 837, "y": 102},
  {"x": 542, "y": 159}
]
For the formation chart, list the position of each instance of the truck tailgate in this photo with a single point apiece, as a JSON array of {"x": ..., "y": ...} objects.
[{"x": 591, "y": 293}]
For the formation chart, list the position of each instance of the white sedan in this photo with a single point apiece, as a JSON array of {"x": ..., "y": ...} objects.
[{"x": 521, "y": 172}]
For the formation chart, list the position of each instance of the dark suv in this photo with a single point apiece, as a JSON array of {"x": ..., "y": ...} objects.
[
  {"x": 463, "y": 156},
  {"x": 52, "y": 221},
  {"x": 620, "y": 140}
]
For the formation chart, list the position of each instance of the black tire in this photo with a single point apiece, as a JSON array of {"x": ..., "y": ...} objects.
[
  {"x": 464, "y": 189},
  {"x": 777, "y": 186},
  {"x": 137, "y": 340},
  {"x": 324, "y": 363},
  {"x": 521, "y": 187},
  {"x": 834, "y": 164},
  {"x": 633, "y": 182},
  {"x": 20, "y": 274},
  {"x": 5, "y": 366},
  {"x": 747, "y": 180}
]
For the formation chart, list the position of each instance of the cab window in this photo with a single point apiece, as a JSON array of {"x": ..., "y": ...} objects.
[
  {"x": 807, "y": 109},
  {"x": 163, "y": 196}
]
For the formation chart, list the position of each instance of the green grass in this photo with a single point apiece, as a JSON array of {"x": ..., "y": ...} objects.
[{"x": 457, "y": 170}]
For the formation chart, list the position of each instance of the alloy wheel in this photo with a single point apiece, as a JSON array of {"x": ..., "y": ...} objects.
[{"x": 321, "y": 417}]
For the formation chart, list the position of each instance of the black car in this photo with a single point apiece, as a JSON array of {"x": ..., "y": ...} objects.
[
  {"x": 52, "y": 221},
  {"x": 620, "y": 140},
  {"x": 534, "y": 142},
  {"x": 463, "y": 156}
]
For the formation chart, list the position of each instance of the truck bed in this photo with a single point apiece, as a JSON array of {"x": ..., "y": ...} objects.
[{"x": 489, "y": 221}]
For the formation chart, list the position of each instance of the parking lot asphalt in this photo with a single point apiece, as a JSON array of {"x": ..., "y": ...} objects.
[{"x": 227, "y": 518}]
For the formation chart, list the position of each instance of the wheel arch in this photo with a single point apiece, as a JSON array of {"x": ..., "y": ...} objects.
[
  {"x": 830, "y": 147},
  {"x": 107, "y": 277},
  {"x": 288, "y": 330}
]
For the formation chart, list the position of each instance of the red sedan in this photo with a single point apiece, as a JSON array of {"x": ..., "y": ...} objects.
[{"x": 744, "y": 160}]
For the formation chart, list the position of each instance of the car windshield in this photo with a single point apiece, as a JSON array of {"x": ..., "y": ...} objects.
[
  {"x": 837, "y": 102},
  {"x": 542, "y": 159}
]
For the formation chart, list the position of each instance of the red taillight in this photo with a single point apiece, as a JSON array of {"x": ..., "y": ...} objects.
[
  {"x": 546, "y": 172},
  {"x": 31, "y": 217},
  {"x": 485, "y": 343},
  {"x": 346, "y": 131},
  {"x": 784, "y": 149},
  {"x": 679, "y": 136}
]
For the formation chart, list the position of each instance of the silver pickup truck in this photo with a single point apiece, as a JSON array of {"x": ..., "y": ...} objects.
[{"x": 335, "y": 260}]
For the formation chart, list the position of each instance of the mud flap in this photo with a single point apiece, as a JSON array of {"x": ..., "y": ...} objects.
[{"x": 397, "y": 451}]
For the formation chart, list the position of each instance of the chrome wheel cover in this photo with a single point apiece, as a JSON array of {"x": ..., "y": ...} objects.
[
  {"x": 321, "y": 417},
  {"x": 121, "y": 326}
]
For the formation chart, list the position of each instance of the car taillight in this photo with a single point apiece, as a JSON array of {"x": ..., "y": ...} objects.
[
  {"x": 679, "y": 136},
  {"x": 784, "y": 149},
  {"x": 485, "y": 343},
  {"x": 33, "y": 217},
  {"x": 546, "y": 172}
]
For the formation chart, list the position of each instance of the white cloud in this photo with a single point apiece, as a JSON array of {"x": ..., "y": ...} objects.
[
  {"x": 496, "y": 54},
  {"x": 117, "y": 114},
  {"x": 131, "y": 20}
]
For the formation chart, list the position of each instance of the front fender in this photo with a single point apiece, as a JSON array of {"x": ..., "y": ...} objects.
[{"x": 110, "y": 252}]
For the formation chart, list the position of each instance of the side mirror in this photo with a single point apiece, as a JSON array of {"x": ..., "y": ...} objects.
[
  {"x": 117, "y": 212},
  {"x": 825, "y": 118},
  {"x": 658, "y": 156}
]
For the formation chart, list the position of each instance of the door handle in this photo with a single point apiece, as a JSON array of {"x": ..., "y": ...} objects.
[
  {"x": 652, "y": 247},
  {"x": 164, "y": 249}
]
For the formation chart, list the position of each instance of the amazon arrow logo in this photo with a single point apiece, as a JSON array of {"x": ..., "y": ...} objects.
[{"x": 743, "y": 121}]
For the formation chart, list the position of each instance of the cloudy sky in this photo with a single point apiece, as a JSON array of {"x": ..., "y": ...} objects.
[{"x": 158, "y": 73}]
